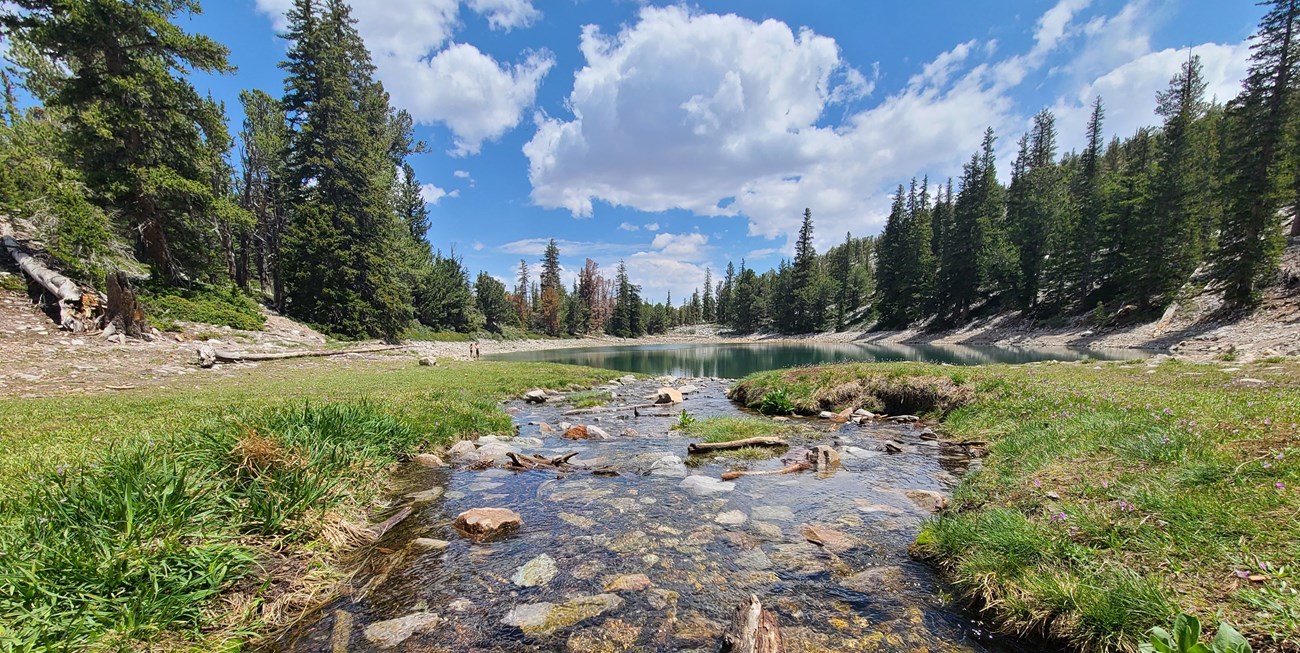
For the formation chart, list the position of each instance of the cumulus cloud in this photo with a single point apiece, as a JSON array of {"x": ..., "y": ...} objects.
[
  {"x": 628, "y": 226},
  {"x": 682, "y": 247},
  {"x": 432, "y": 194},
  {"x": 651, "y": 226},
  {"x": 724, "y": 116},
  {"x": 475, "y": 96}
]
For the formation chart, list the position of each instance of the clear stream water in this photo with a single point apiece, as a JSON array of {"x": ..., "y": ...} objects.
[
  {"x": 700, "y": 554},
  {"x": 734, "y": 361}
]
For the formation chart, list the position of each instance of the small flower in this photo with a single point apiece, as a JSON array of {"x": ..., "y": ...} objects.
[
  {"x": 1038, "y": 483},
  {"x": 1241, "y": 573},
  {"x": 1267, "y": 465},
  {"x": 1267, "y": 421},
  {"x": 1280, "y": 485},
  {"x": 1279, "y": 456},
  {"x": 1060, "y": 516}
]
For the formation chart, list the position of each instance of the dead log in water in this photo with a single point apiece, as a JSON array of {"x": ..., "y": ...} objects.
[
  {"x": 525, "y": 462},
  {"x": 792, "y": 469},
  {"x": 704, "y": 447},
  {"x": 754, "y": 630}
]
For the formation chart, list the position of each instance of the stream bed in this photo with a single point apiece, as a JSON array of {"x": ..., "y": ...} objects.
[{"x": 657, "y": 557}]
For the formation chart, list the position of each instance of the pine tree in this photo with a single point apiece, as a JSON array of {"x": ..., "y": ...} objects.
[
  {"x": 552, "y": 300},
  {"x": 265, "y": 139},
  {"x": 726, "y": 295},
  {"x": 626, "y": 320},
  {"x": 892, "y": 300},
  {"x": 147, "y": 145},
  {"x": 996, "y": 256},
  {"x": 343, "y": 232},
  {"x": 746, "y": 316},
  {"x": 1250, "y": 237},
  {"x": 493, "y": 303},
  {"x": 1085, "y": 202},
  {"x": 959, "y": 269},
  {"x": 1034, "y": 204},
  {"x": 1169, "y": 238},
  {"x": 808, "y": 288},
  {"x": 710, "y": 307}
]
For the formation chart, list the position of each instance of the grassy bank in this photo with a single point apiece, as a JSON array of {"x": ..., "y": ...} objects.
[
  {"x": 1112, "y": 496},
  {"x": 135, "y": 518}
]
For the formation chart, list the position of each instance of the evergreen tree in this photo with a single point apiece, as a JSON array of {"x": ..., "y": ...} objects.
[
  {"x": 626, "y": 320},
  {"x": 959, "y": 273},
  {"x": 343, "y": 229},
  {"x": 523, "y": 307},
  {"x": 265, "y": 140},
  {"x": 892, "y": 300},
  {"x": 1035, "y": 202},
  {"x": 493, "y": 303},
  {"x": 1086, "y": 233},
  {"x": 746, "y": 315},
  {"x": 709, "y": 307},
  {"x": 445, "y": 301},
  {"x": 147, "y": 145},
  {"x": 808, "y": 289},
  {"x": 1250, "y": 237}
]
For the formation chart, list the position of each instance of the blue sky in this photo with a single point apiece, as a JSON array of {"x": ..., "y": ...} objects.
[{"x": 680, "y": 136}]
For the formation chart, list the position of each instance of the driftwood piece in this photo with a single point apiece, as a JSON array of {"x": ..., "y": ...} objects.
[
  {"x": 754, "y": 630},
  {"x": 71, "y": 314},
  {"x": 243, "y": 356},
  {"x": 702, "y": 447},
  {"x": 523, "y": 461},
  {"x": 792, "y": 469},
  {"x": 123, "y": 310}
]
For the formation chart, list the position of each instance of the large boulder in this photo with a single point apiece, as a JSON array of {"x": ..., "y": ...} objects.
[
  {"x": 668, "y": 396},
  {"x": 928, "y": 500},
  {"x": 669, "y": 466},
  {"x": 535, "y": 396},
  {"x": 485, "y": 523},
  {"x": 427, "y": 460},
  {"x": 207, "y": 356},
  {"x": 461, "y": 449}
]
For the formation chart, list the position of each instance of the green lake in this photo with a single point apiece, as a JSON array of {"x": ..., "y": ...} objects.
[{"x": 734, "y": 361}]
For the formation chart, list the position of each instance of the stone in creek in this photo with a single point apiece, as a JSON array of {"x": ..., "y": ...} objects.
[
  {"x": 828, "y": 537},
  {"x": 732, "y": 518},
  {"x": 536, "y": 572},
  {"x": 773, "y": 513},
  {"x": 426, "y": 497},
  {"x": 859, "y": 453},
  {"x": 460, "y": 605},
  {"x": 528, "y": 442},
  {"x": 540, "y": 619},
  {"x": 482, "y": 523},
  {"x": 689, "y": 389},
  {"x": 483, "y": 486},
  {"x": 754, "y": 559},
  {"x": 536, "y": 396},
  {"x": 696, "y": 630},
  {"x": 454, "y": 495},
  {"x": 826, "y": 414},
  {"x": 577, "y": 520},
  {"x": 587, "y": 570},
  {"x": 703, "y": 486},
  {"x": 629, "y": 583},
  {"x": 627, "y": 378},
  {"x": 800, "y": 558},
  {"x": 661, "y": 599},
  {"x": 875, "y": 579},
  {"x": 668, "y": 396},
  {"x": 928, "y": 500},
  {"x": 489, "y": 439},
  {"x": 387, "y": 634},
  {"x": 669, "y": 466},
  {"x": 636, "y": 541},
  {"x": 428, "y": 544},
  {"x": 766, "y": 530},
  {"x": 579, "y": 432},
  {"x": 546, "y": 428},
  {"x": 611, "y": 636},
  {"x": 427, "y": 460},
  {"x": 462, "y": 448},
  {"x": 879, "y": 508}
]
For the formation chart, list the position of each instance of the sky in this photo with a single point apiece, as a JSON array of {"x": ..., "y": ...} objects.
[{"x": 678, "y": 137}]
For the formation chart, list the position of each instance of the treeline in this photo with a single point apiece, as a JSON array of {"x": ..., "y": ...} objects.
[
  {"x": 1115, "y": 230},
  {"x": 123, "y": 162}
]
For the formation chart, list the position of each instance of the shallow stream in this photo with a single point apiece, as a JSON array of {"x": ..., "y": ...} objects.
[{"x": 650, "y": 561}]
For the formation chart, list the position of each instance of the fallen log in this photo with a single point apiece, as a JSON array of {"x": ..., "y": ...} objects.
[
  {"x": 65, "y": 290},
  {"x": 754, "y": 630},
  {"x": 525, "y": 461},
  {"x": 701, "y": 447},
  {"x": 792, "y": 469},
  {"x": 241, "y": 356}
]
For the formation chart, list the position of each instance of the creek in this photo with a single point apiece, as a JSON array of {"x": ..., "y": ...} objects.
[{"x": 657, "y": 557}]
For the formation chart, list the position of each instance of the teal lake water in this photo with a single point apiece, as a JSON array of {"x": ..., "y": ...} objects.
[{"x": 738, "y": 360}]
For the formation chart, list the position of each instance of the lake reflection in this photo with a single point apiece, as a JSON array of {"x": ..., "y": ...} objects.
[{"x": 738, "y": 360}]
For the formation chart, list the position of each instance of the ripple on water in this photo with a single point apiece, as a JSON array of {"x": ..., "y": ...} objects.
[{"x": 656, "y": 558}]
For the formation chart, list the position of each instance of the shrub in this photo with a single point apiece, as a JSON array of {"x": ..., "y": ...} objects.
[{"x": 204, "y": 304}]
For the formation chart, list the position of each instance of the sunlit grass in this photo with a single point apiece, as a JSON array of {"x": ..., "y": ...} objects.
[
  {"x": 1113, "y": 495},
  {"x": 728, "y": 429}
]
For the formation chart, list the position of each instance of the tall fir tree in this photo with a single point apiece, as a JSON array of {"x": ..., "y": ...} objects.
[
  {"x": 147, "y": 145},
  {"x": 709, "y": 306},
  {"x": 1250, "y": 236},
  {"x": 807, "y": 287},
  {"x": 1035, "y": 203}
]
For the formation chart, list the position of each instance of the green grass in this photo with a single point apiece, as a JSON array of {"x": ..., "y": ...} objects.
[
  {"x": 12, "y": 283},
  {"x": 126, "y": 517},
  {"x": 590, "y": 398},
  {"x": 164, "y": 307},
  {"x": 1113, "y": 495},
  {"x": 420, "y": 332},
  {"x": 728, "y": 429}
]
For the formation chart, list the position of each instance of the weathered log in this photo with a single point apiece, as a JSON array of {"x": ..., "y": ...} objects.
[
  {"x": 66, "y": 291},
  {"x": 239, "y": 357},
  {"x": 754, "y": 630},
  {"x": 123, "y": 311},
  {"x": 525, "y": 461},
  {"x": 792, "y": 469},
  {"x": 701, "y": 447}
]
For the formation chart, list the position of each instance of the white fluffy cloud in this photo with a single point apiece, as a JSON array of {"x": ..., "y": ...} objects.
[
  {"x": 723, "y": 116},
  {"x": 477, "y": 97},
  {"x": 432, "y": 194},
  {"x": 628, "y": 226}
]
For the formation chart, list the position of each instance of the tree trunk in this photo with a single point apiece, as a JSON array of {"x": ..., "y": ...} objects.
[
  {"x": 74, "y": 306},
  {"x": 754, "y": 630},
  {"x": 124, "y": 311},
  {"x": 239, "y": 357}
]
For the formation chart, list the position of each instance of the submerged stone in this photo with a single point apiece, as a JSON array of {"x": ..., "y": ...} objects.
[
  {"x": 703, "y": 486},
  {"x": 536, "y": 572},
  {"x": 540, "y": 619},
  {"x": 387, "y": 634},
  {"x": 629, "y": 583}
]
